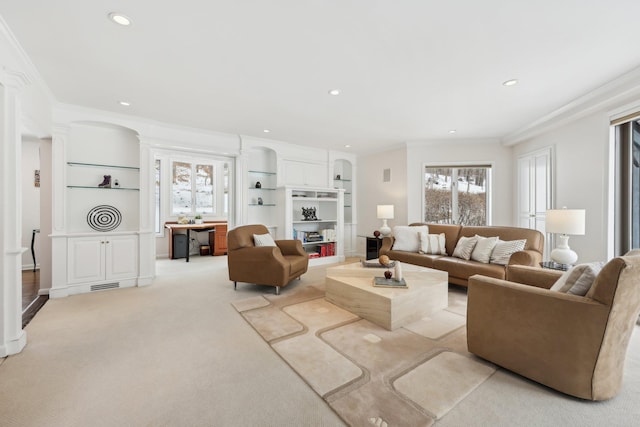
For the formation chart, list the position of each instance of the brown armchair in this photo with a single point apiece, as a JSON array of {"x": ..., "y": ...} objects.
[
  {"x": 571, "y": 343},
  {"x": 264, "y": 265}
]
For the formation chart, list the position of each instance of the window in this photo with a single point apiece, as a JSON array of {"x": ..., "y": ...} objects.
[
  {"x": 627, "y": 187},
  {"x": 192, "y": 188},
  {"x": 456, "y": 194}
]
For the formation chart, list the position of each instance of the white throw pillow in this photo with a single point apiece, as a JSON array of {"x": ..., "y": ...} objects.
[
  {"x": 483, "y": 249},
  {"x": 578, "y": 280},
  {"x": 407, "y": 238},
  {"x": 503, "y": 250},
  {"x": 464, "y": 247},
  {"x": 263, "y": 240},
  {"x": 432, "y": 244}
]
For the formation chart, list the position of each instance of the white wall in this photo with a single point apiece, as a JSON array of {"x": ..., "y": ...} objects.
[
  {"x": 372, "y": 191},
  {"x": 581, "y": 177},
  {"x": 30, "y": 201},
  {"x": 463, "y": 152}
]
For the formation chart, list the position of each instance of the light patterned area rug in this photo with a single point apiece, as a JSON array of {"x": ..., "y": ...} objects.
[{"x": 371, "y": 376}]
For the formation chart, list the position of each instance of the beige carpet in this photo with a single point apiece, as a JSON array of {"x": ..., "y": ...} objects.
[
  {"x": 177, "y": 353},
  {"x": 411, "y": 376}
]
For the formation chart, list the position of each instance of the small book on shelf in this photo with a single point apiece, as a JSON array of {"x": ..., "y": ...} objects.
[{"x": 383, "y": 282}]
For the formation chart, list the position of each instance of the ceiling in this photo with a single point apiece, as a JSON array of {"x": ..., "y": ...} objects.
[{"x": 408, "y": 70}]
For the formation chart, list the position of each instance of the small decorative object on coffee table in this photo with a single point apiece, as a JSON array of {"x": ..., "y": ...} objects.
[
  {"x": 388, "y": 282},
  {"x": 555, "y": 266}
]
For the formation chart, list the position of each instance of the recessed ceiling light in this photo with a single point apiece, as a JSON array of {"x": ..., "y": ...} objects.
[
  {"x": 452, "y": 131},
  {"x": 510, "y": 82},
  {"x": 334, "y": 92},
  {"x": 120, "y": 19},
  {"x": 266, "y": 131},
  {"x": 124, "y": 103},
  {"x": 347, "y": 146}
]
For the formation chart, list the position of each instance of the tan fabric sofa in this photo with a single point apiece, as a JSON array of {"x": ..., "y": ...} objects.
[
  {"x": 574, "y": 344},
  {"x": 460, "y": 270}
]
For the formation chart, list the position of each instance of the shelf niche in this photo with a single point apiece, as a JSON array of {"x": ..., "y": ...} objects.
[{"x": 261, "y": 198}]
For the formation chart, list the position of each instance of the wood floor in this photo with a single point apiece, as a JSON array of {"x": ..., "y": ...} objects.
[{"x": 31, "y": 301}]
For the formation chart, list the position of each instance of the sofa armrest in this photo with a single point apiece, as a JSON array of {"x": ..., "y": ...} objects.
[
  {"x": 257, "y": 256},
  {"x": 291, "y": 247},
  {"x": 526, "y": 257},
  {"x": 550, "y": 337},
  {"x": 532, "y": 276},
  {"x": 387, "y": 244}
]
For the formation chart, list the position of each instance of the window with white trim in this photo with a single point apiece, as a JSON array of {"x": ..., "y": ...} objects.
[{"x": 456, "y": 194}]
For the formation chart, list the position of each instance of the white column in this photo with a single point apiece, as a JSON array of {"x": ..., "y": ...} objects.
[
  {"x": 12, "y": 337},
  {"x": 58, "y": 211},
  {"x": 147, "y": 234}
]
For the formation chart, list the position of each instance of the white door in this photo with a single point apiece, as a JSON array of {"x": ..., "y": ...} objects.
[{"x": 534, "y": 191}]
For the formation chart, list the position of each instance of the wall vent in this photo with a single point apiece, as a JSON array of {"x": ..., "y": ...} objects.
[{"x": 104, "y": 286}]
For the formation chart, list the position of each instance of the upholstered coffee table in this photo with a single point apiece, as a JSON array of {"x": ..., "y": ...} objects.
[{"x": 350, "y": 286}]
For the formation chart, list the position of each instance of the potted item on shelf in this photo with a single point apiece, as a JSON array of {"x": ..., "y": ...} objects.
[{"x": 198, "y": 219}]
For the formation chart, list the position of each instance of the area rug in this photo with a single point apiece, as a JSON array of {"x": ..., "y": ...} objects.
[{"x": 411, "y": 376}]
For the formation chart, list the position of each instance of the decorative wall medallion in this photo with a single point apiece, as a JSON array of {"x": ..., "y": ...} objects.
[{"x": 104, "y": 218}]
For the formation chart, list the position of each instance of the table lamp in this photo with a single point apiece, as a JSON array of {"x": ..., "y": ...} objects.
[
  {"x": 385, "y": 212},
  {"x": 564, "y": 222}
]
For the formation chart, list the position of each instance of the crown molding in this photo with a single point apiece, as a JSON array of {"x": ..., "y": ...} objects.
[
  {"x": 604, "y": 98},
  {"x": 31, "y": 72}
]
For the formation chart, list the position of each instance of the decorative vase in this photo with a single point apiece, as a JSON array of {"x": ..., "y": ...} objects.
[
  {"x": 258, "y": 185},
  {"x": 260, "y": 202},
  {"x": 388, "y": 274},
  {"x": 398, "y": 271},
  {"x": 376, "y": 233},
  {"x": 198, "y": 220}
]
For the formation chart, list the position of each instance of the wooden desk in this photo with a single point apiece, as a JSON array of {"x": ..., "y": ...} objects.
[{"x": 217, "y": 238}]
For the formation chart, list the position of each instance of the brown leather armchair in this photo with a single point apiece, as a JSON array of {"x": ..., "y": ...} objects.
[
  {"x": 574, "y": 344},
  {"x": 264, "y": 265}
]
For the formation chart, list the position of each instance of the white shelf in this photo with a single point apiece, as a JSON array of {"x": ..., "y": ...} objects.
[{"x": 329, "y": 207}]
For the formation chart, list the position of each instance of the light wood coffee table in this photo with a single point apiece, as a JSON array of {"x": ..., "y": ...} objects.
[{"x": 350, "y": 286}]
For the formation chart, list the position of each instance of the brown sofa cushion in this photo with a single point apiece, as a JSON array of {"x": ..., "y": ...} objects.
[
  {"x": 423, "y": 260},
  {"x": 463, "y": 269}
]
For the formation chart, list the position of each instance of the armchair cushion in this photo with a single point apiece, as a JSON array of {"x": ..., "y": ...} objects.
[
  {"x": 263, "y": 240},
  {"x": 578, "y": 280}
]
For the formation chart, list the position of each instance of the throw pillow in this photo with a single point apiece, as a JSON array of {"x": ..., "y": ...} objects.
[
  {"x": 464, "y": 247},
  {"x": 407, "y": 238},
  {"x": 433, "y": 244},
  {"x": 483, "y": 249},
  {"x": 503, "y": 250},
  {"x": 578, "y": 280},
  {"x": 263, "y": 240}
]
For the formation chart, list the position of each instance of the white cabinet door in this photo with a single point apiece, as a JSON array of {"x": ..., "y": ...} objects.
[
  {"x": 121, "y": 257},
  {"x": 85, "y": 259},
  {"x": 96, "y": 259},
  {"x": 302, "y": 173}
]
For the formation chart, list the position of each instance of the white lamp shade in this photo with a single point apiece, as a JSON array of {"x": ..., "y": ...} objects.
[
  {"x": 385, "y": 211},
  {"x": 565, "y": 221}
]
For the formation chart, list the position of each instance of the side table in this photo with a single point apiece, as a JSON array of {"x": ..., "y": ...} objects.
[{"x": 373, "y": 247}]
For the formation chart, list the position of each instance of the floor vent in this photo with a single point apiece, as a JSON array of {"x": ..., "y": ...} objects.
[{"x": 104, "y": 286}]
